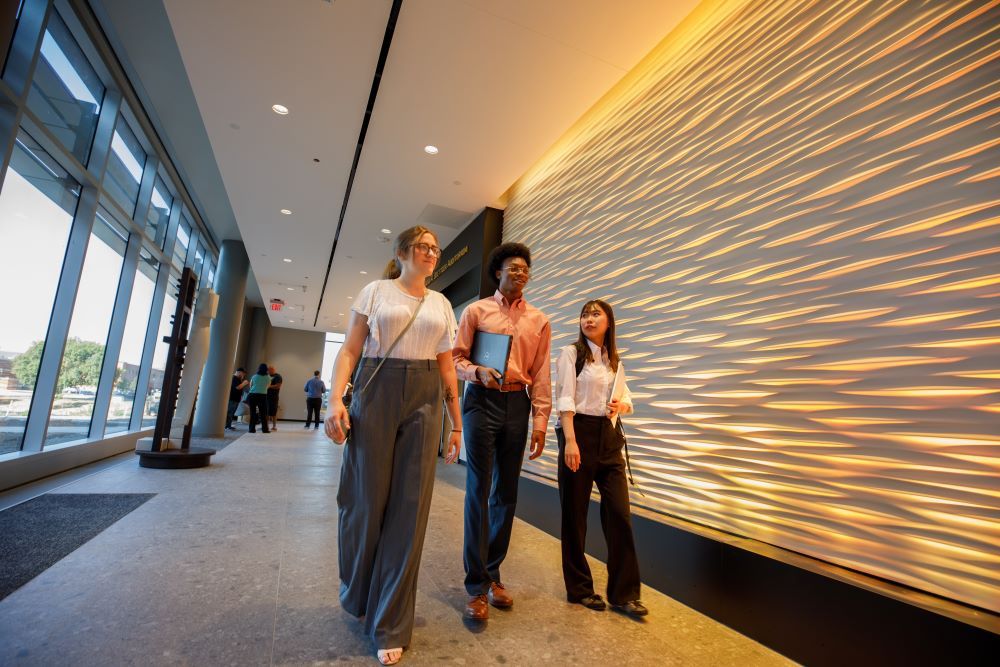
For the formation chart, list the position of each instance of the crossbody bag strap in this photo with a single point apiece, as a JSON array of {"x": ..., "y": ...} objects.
[{"x": 394, "y": 343}]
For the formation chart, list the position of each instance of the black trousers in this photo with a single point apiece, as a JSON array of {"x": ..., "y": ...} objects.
[
  {"x": 313, "y": 406},
  {"x": 258, "y": 411},
  {"x": 601, "y": 461},
  {"x": 496, "y": 432},
  {"x": 230, "y": 410}
]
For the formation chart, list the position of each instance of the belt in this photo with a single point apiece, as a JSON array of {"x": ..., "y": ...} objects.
[{"x": 512, "y": 386}]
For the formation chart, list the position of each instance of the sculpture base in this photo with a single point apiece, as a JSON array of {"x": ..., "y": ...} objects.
[{"x": 173, "y": 459}]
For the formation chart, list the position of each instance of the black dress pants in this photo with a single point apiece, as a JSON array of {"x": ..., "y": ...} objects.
[
  {"x": 258, "y": 411},
  {"x": 313, "y": 406},
  {"x": 496, "y": 433},
  {"x": 231, "y": 412},
  {"x": 601, "y": 461}
]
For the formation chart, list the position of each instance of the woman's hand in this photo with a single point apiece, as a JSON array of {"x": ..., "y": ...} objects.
[
  {"x": 336, "y": 421},
  {"x": 614, "y": 407},
  {"x": 571, "y": 454},
  {"x": 454, "y": 447}
]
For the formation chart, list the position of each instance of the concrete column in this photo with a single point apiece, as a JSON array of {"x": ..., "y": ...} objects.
[{"x": 213, "y": 392}]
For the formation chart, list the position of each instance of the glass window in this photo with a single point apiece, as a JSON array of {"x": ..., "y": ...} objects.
[
  {"x": 76, "y": 389},
  {"x": 183, "y": 241},
  {"x": 152, "y": 404},
  {"x": 159, "y": 212},
  {"x": 199, "y": 262},
  {"x": 37, "y": 205},
  {"x": 66, "y": 92},
  {"x": 125, "y": 166},
  {"x": 210, "y": 276},
  {"x": 127, "y": 372}
]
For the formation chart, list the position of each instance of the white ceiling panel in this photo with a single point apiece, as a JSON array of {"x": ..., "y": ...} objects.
[{"x": 492, "y": 84}]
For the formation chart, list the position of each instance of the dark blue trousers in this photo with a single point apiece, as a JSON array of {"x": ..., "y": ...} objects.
[{"x": 496, "y": 432}]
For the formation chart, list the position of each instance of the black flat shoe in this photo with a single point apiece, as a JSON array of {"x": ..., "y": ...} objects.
[
  {"x": 595, "y": 602},
  {"x": 632, "y": 608}
]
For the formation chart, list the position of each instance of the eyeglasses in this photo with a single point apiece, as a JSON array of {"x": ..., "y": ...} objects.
[
  {"x": 431, "y": 250},
  {"x": 518, "y": 270}
]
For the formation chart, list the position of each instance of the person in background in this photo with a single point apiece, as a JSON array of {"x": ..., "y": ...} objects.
[
  {"x": 272, "y": 397},
  {"x": 590, "y": 450},
  {"x": 395, "y": 422},
  {"x": 315, "y": 388},
  {"x": 496, "y": 420},
  {"x": 239, "y": 383},
  {"x": 257, "y": 399}
]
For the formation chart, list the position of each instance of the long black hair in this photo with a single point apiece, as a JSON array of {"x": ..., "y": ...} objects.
[
  {"x": 583, "y": 350},
  {"x": 262, "y": 369}
]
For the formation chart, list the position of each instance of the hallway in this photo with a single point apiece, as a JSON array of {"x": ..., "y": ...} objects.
[{"x": 235, "y": 564}]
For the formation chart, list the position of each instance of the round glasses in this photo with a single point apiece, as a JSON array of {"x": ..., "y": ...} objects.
[
  {"x": 518, "y": 270},
  {"x": 431, "y": 250}
]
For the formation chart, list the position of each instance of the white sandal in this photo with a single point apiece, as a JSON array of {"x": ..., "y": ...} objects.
[{"x": 385, "y": 655}]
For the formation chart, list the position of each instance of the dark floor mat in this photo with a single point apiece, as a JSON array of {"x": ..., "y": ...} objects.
[{"x": 41, "y": 531}]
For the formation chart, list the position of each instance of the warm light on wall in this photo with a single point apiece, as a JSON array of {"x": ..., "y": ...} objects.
[{"x": 793, "y": 207}]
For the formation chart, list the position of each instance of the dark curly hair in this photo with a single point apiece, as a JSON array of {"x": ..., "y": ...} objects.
[{"x": 503, "y": 252}]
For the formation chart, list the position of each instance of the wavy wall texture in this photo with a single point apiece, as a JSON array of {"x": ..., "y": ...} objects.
[{"x": 795, "y": 208}]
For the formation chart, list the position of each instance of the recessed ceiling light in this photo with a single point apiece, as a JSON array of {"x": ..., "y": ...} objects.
[
  {"x": 364, "y": 273},
  {"x": 387, "y": 231},
  {"x": 286, "y": 260},
  {"x": 280, "y": 109},
  {"x": 431, "y": 150},
  {"x": 290, "y": 289},
  {"x": 341, "y": 314},
  {"x": 285, "y": 211},
  {"x": 350, "y": 297}
]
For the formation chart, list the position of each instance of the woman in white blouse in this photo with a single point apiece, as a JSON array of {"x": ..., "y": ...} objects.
[
  {"x": 387, "y": 475},
  {"x": 590, "y": 450}
]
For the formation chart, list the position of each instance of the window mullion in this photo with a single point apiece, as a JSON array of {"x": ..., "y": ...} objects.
[{"x": 101, "y": 147}]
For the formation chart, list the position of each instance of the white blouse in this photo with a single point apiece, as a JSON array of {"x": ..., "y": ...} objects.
[
  {"x": 589, "y": 393},
  {"x": 388, "y": 309}
]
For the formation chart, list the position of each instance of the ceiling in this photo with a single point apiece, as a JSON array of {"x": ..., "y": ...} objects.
[{"x": 492, "y": 84}]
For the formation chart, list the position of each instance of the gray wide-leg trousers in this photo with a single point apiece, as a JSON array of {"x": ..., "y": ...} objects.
[{"x": 385, "y": 494}]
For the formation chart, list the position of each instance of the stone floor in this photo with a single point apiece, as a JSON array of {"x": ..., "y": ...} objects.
[{"x": 235, "y": 564}]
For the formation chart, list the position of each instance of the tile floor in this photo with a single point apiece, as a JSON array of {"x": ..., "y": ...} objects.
[{"x": 235, "y": 564}]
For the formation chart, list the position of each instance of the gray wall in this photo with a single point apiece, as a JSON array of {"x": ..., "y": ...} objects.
[
  {"x": 243, "y": 342},
  {"x": 793, "y": 208},
  {"x": 295, "y": 355},
  {"x": 259, "y": 331}
]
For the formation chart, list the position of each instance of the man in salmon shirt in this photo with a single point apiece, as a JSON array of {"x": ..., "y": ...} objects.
[{"x": 495, "y": 419}]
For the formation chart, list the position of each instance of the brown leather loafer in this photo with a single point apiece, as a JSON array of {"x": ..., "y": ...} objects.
[
  {"x": 632, "y": 608},
  {"x": 499, "y": 597},
  {"x": 476, "y": 608}
]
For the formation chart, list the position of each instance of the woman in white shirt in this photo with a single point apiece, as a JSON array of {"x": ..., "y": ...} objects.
[
  {"x": 590, "y": 450},
  {"x": 387, "y": 475}
]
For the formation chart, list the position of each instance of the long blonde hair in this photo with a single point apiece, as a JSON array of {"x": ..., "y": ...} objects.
[{"x": 404, "y": 240}]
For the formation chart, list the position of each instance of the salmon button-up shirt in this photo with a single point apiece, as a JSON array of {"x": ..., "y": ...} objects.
[{"x": 529, "y": 351}]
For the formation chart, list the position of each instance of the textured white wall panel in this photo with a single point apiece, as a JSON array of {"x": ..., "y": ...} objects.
[{"x": 795, "y": 209}]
